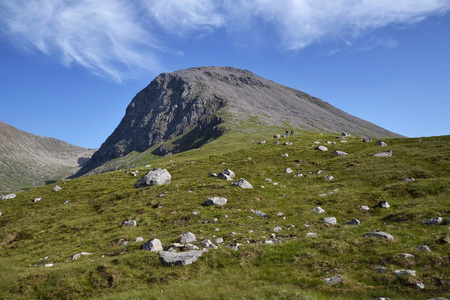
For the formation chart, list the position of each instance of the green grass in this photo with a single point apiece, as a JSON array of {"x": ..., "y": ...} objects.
[{"x": 33, "y": 234}]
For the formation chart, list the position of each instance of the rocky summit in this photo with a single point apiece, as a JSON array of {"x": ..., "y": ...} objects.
[{"x": 183, "y": 110}]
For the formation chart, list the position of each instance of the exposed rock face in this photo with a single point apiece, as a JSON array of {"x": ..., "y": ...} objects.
[{"x": 192, "y": 103}]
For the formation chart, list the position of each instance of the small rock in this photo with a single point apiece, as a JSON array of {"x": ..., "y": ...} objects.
[
  {"x": 139, "y": 239},
  {"x": 37, "y": 199},
  {"x": 364, "y": 207},
  {"x": 318, "y": 210},
  {"x": 187, "y": 237},
  {"x": 243, "y": 184},
  {"x": 367, "y": 140},
  {"x": 78, "y": 255},
  {"x": 407, "y": 255},
  {"x": 433, "y": 221},
  {"x": 423, "y": 248},
  {"x": 132, "y": 223},
  {"x": 379, "y": 234},
  {"x": 329, "y": 177},
  {"x": 56, "y": 188},
  {"x": 276, "y": 142},
  {"x": 311, "y": 234},
  {"x": 226, "y": 174},
  {"x": 379, "y": 269},
  {"x": 215, "y": 201},
  {"x": 153, "y": 245},
  {"x": 212, "y": 174},
  {"x": 346, "y": 134},
  {"x": 284, "y": 155},
  {"x": 260, "y": 214},
  {"x": 235, "y": 246},
  {"x": 353, "y": 222},
  {"x": 420, "y": 285},
  {"x": 9, "y": 196},
  {"x": 333, "y": 280},
  {"x": 330, "y": 220},
  {"x": 277, "y": 229},
  {"x": 277, "y": 136},
  {"x": 386, "y": 153},
  {"x": 48, "y": 265},
  {"x": 405, "y": 272},
  {"x": 208, "y": 244},
  {"x": 382, "y": 144},
  {"x": 288, "y": 144},
  {"x": 288, "y": 170},
  {"x": 322, "y": 148},
  {"x": 407, "y": 179},
  {"x": 383, "y": 204},
  {"x": 219, "y": 240},
  {"x": 262, "y": 142},
  {"x": 340, "y": 153}
]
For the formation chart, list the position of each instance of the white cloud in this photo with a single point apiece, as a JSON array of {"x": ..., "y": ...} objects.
[{"x": 115, "y": 38}]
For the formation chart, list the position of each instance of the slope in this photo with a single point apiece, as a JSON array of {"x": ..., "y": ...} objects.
[
  {"x": 29, "y": 160},
  {"x": 276, "y": 260},
  {"x": 187, "y": 108}
]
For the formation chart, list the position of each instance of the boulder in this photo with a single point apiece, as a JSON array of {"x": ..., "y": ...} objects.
[
  {"x": 423, "y": 248},
  {"x": 208, "y": 244},
  {"x": 154, "y": 245},
  {"x": 187, "y": 237},
  {"x": 181, "y": 258},
  {"x": 379, "y": 234},
  {"x": 215, "y": 201},
  {"x": 406, "y": 255},
  {"x": 382, "y": 144},
  {"x": 277, "y": 136},
  {"x": 329, "y": 177},
  {"x": 384, "y": 154},
  {"x": 226, "y": 174},
  {"x": 383, "y": 204},
  {"x": 260, "y": 214},
  {"x": 346, "y": 134},
  {"x": 284, "y": 155},
  {"x": 242, "y": 183},
  {"x": 288, "y": 170},
  {"x": 9, "y": 196},
  {"x": 367, "y": 140},
  {"x": 262, "y": 142},
  {"x": 56, "y": 188},
  {"x": 132, "y": 223},
  {"x": 330, "y": 220},
  {"x": 333, "y": 280},
  {"x": 340, "y": 153},
  {"x": 405, "y": 272},
  {"x": 154, "y": 177},
  {"x": 364, "y": 207},
  {"x": 322, "y": 148},
  {"x": 37, "y": 199},
  {"x": 433, "y": 221}
]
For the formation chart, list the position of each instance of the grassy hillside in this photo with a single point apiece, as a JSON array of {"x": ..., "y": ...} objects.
[{"x": 51, "y": 232}]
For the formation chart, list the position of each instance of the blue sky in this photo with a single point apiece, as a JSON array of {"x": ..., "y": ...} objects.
[{"x": 68, "y": 69}]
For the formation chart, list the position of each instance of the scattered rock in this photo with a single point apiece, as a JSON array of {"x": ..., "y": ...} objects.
[
  {"x": 379, "y": 234},
  {"x": 288, "y": 170},
  {"x": 407, "y": 255},
  {"x": 277, "y": 229},
  {"x": 260, "y": 214},
  {"x": 367, "y": 140},
  {"x": 153, "y": 245},
  {"x": 383, "y": 204},
  {"x": 56, "y": 188},
  {"x": 353, "y": 222},
  {"x": 37, "y": 199},
  {"x": 48, "y": 265},
  {"x": 364, "y": 208},
  {"x": 139, "y": 239},
  {"x": 78, "y": 255},
  {"x": 262, "y": 142},
  {"x": 311, "y": 234},
  {"x": 407, "y": 179},
  {"x": 433, "y": 221},
  {"x": 208, "y": 244},
  {"x": 276, "y": 142},
  {"x": 330, "y": 220},
  {"x": 329, "y": 177},
  {"x": 243, "y": 184},
  {"x": 227, "y": 174},
  {"x": 216, "y": 201},
  {"x": 180, "y": 259},
  {"x": 346, "y": 134},
  {"x": 277, "y": 136},
  {"x": 340, "y": 153},
  {"x": 132, "y": 223},
  {"x": 386, "y": 153},
  {"x": 423, "y": 248},
  {"x": 444, "y": 240},
  {"x": 284, "y": 155},
  {"x": 318, "y": 210},
  {"x": 154, "y": 177},
  {"x": 333, "y": 280},
  {"x": 188, "y": 237},
  {"x": 212, "y": 174},
  {"x": 379, "y": 269},
  {"x": 382, "y": 144},
  {"x": 9, "y": 196},
  {"x": 235, "y": 246},
  {"x": 404, "y": 272},
  {"x": 288, "y": 144},
  {"x": 322, "y": 148}
]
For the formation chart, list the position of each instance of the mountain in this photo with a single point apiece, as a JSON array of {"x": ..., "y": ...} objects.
[
  {"x": 30, "y": 160},
  {"x": 183, "y": 110}
]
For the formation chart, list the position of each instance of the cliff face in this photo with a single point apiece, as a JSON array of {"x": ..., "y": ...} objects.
[
  {"x": 30, "y": 160},
  {"x": 192, "y": 103}
]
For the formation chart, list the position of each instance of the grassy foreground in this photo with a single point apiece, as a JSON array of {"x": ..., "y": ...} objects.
[{"x": 33, "y": 235}]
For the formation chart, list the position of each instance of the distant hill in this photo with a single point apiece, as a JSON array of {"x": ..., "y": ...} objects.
[
  {"x": 28, "y": 160},
  {"x": 183, "y": 110}
]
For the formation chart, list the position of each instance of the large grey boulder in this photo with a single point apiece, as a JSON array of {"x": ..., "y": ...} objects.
[
  {"x": 226, "y": 174},
  {"x": 242, "y": 183},
  {"x": 154, "y": 177},
  {"x": 188, "y": 237},
  {"x": 330, "y": 220},
  {"x": 379, "y": 234},
  {"x": 215, "y": 201},
  {"x": 179, "y": 258},
  {"x": 154, "y": 245}
]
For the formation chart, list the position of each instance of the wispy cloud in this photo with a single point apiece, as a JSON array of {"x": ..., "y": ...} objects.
[{"x": 116, "y": 38}]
